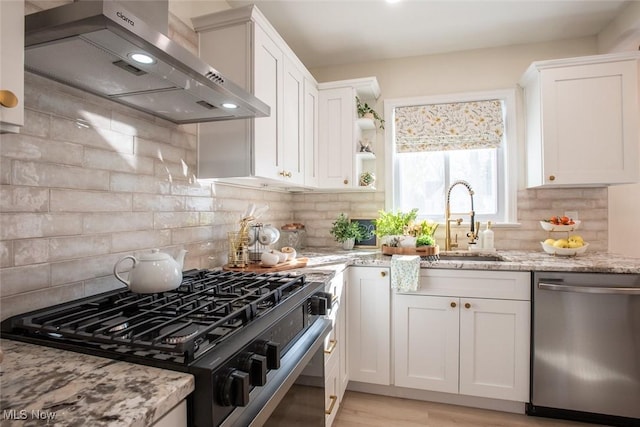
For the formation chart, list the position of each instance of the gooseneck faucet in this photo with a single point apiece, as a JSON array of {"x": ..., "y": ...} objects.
[{"x": 473, "y": 233}]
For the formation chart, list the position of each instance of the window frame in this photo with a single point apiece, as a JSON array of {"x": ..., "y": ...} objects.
[{"x": 510, "y": 149}]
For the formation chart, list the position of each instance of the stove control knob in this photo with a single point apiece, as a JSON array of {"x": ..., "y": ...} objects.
[
  {"x": 234, "y": 389},
  {"x": 270, "y": 350},
  {"x": 321, "y": 303},
  {"x": 256, "y": 366}
]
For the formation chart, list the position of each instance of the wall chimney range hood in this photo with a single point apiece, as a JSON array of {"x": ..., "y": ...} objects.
[{"x": 102, "y": 47}]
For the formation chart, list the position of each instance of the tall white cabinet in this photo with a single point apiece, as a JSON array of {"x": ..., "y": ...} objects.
[
  {"x": 465, "y": 332},
  {"x": 11, "y": 66},
  {"x": 247, "y": 49},
  {"x": 582, "y": 121}
]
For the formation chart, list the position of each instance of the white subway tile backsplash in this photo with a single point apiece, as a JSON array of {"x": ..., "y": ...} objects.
[
  {"x": 203, "y": 204},
  {"x": 90, "y": 136},
  {"x": 159, "y": 150},
  {"x": 139, "y": 240},
  {"x": 29, "y": 225},
  {"x": 191, "y": 234},
  {"x": 155, "y": 203},
  {"x": 117, "y": 162},
  {"x": 63, "y": 248},
  {"x": 31, "y": 251},
  {"x": 89, "y": 201},
  {"x": 127, "y": 182},
  {"x": 135, "y": 126},
  {"x": 36, "y": 123},
  {"x": 6, "y": 254},
  {"x": 103, "y": 284},
  {"x": 87, "y": 268},
  {"x": 23, "y": 199},
  {"x": 23, "y": 302},
  {"x": 61, "y": 176},
  {"x": 28, "y": 278},
  {"x": 163, "y": 220},
  {"x": 33, "y": 148},
  {"x": 94, "y": 223}
]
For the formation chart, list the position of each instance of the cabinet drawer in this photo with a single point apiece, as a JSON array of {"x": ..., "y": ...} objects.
[
  {"x": 514, "y": 285},
  {"x": 331, "y": 391}
]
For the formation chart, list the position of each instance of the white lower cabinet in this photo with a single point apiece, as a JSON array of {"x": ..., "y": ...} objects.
[
  {"x": 335, "y": 350},
  {"x": 368, "y": 325},
  {"x": 465, "y": 332}
]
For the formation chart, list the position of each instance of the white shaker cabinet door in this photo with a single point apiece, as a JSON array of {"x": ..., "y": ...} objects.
[
  {"x": 269, "y": 69},
  {"x": 494, "y": 348},
  {"x": 11, "y": 66},
  {"x": 426, "y": 342},
  {"x": 583, "y": 121},
  {"x": 368, "y": 325}
]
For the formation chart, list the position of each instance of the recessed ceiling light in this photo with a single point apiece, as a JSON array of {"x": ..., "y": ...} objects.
[
  {"x": 229, "y": 105},
  {"x": 142, "y": 58}
]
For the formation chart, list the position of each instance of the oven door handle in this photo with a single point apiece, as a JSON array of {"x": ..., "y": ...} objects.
[{"x": 589, "y": 289}]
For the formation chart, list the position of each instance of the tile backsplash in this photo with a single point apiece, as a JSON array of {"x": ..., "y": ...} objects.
[{"x": 88, "y": 181}]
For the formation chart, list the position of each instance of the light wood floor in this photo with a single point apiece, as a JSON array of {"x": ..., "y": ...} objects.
[{"x": 361, "y": 409}]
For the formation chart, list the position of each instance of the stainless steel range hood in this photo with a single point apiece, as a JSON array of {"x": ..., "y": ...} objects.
[{"x": 91, "y": 45}]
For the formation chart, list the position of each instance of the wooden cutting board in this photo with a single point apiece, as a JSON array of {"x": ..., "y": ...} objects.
[
  {"x": 259, "y": 268},
  {"x": 421, "y": 250}
]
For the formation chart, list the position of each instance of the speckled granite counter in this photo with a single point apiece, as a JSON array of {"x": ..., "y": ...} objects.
[
  {"x": 75, "y": 389},
  {"x": 510, "y": 260}
]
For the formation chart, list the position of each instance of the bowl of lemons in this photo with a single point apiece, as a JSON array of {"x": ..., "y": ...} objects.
[{"x": 571, "y": 246}]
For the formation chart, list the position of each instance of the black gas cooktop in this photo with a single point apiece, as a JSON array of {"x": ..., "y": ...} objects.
[{"x": 175, "y": 326}]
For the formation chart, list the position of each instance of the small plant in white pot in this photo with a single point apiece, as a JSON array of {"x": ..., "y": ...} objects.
[
  {"x": 391, "y": 227},
  {"x": 348, "y": 233}
]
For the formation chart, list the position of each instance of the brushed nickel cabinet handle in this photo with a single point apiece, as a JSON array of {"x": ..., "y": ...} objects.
[
  {"x": 346, "y": 181},
  {"x": 8, "y": 99}
]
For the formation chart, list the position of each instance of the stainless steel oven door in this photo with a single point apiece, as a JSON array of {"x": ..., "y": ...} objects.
[{"x": 294, "y": 393}]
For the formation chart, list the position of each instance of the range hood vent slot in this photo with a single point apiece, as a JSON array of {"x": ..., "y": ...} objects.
[
  {"x": 130, "y": 68},
  {"x": 86, "y": 44}
]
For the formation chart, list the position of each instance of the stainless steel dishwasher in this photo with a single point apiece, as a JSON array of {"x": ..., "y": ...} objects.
[{"x": 586, "y": 347}]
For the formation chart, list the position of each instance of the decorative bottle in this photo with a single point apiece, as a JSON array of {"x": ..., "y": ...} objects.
[{"x": 488, "y": 238}]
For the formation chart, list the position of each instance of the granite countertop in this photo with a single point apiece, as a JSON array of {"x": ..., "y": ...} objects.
[
  {"x": 73, "y": 389},
  {"x": 589, "y": 262}
]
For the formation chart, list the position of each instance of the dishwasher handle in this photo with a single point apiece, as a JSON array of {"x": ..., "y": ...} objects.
[{"x": 589, "y": 289}]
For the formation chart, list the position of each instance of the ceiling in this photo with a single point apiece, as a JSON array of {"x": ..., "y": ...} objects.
[{"x": 333, "y": 32}]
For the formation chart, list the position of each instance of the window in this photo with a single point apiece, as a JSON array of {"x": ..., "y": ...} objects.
[{"x": 436, "y": 141}]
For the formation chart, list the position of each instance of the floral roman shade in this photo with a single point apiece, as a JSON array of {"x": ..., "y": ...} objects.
[{"x": 455, "y": 126}]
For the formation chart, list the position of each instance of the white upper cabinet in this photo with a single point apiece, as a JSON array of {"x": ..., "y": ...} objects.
[
  {"x": 11, "y": 66},
  {"x": 582, "y": 120},
  {"x": 246, "y": 48},
  {"x": 340, "y": 161}
]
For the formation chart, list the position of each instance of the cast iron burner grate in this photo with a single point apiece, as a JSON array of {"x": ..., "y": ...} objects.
[{"x": 207, "y": 307}]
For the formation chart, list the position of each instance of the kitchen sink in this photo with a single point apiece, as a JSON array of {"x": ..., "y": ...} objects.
[{"x": 470, "y": 257}]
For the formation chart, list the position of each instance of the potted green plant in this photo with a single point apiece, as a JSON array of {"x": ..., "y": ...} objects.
[
  {"x": 364, "y": 110},
  {"x": 348, "y": 233},
  {"x": 391, "y": 227}
]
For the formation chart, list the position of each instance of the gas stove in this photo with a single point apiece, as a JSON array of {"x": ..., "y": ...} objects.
[{"x": 229, "y": 329}]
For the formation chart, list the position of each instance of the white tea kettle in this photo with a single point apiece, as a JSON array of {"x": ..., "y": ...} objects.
[{"x": 154, "y": 272}]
